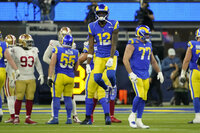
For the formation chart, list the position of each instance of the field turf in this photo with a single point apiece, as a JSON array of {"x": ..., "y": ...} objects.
[{"x": 160, "y": 120}]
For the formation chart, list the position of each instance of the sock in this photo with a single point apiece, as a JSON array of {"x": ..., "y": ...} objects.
[
  {"x": 11, "y": 104},
  {"x": 68, "y": 106},
  {"x": 89, "y": 106},
  {"x": 111, "y": 77},
  {"x": 136, "y": 101},
  {"x": 112, "y": 107},
  {"x": 52, "y": 114},
  {"x": 56, "y": 106},
  {"x": 1, "y": 112},
  {"x": 74, "y": 107},
  {"x": 105, "y": 105},
  {"x": 18, "y": 105},
  {"x": 196, "y": 104},
  {"x": 140, "y": 108},
  {"x": 12, "y": 116},
  {"x": 98, "y": 79},
  {"x": 94, "y": 105},
  {"x": 29, "y": 105}
]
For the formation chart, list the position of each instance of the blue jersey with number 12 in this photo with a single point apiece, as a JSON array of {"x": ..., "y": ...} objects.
[
  {"x": 66, "y": 59},
  {"x": 3, "y": 47},
  {"x": 103, "y": 36}
]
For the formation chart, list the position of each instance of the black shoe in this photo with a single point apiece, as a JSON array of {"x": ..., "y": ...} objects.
[
  {"x": 1, "y": 116},
  {"x": 86, "y": 122},
  {"x": 190, "y": 122}
]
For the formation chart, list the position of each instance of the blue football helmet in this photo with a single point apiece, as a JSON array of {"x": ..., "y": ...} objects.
[
  {"x": 197, "y": 33},
  {"x": 102, "y": 8},
  {"x": 67, "y": 41},
  {"x": 143, "y": 32}
]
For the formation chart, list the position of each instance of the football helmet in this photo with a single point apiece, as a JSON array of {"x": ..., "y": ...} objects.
[
  {"x": 25, "y": 41},
  {"x": 143, "y": 32},
  {"x": 197, "y": 33},
  {"x": 67, "y": 41},
  {"x": 10, "y": 40},
  {"x": 102, "y": 8},
  {"x": 63, "y": 32}
]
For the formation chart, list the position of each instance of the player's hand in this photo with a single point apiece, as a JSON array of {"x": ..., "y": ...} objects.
[
  {"x": 109, "y": 62},
  {"x": 88, "y": 69},
  {"x": 73, "y": 45},
  {"x": 41, "y": 78},
  {"x": 133, "y": 77},
  {"x": 160, "y": 77},
  {"x": 12, "y": 83},
  {"x": 182, "y": 78},
  {"x": 17, "y": 74},
  {"x": 50, "y": 82}
]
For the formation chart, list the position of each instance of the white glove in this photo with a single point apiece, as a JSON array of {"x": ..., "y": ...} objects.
[
  {"x": 160, "y": 77},
  {"x": 182, "y": 78},
  {"x": 88, "y": 69},
  {"x": 12, "y": 83},
  {"x": 73, "y": 45},
  {"x": 41, "y": 78},
  {"x": 109, "y": 62},
  {"x": 17, "y": 74},
  {"x": 133, "y": 77}
]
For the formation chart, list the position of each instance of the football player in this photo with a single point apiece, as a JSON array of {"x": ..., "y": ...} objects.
[
  {"x": 64, "y": 62},
  {"x": 105, "y": 32},
  {"x": 9, "y": 87},
  {"x": 26, "y": 57},
  {"x": 82, "y": 58},
  {"x": 4, "y": 54},
  {"x": 47, "y": 58},
  {"x": 191, "y": 59},
  {"x": 137, "y": 57}
]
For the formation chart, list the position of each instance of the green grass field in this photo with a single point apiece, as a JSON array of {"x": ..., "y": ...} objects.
[{"x": 159, "y": 122}]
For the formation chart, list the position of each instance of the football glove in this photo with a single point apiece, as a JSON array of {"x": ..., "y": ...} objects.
[
  {"x": 88, "y": 69},
  {"x": 160, "y": 77},
  {"x": 12, "y": 83},
  {"x": 109, "y": 62},
  {"x": 133, "y": 77},
  {"x": 182, "y": 78},
  {"x": 41, "y": 78},
  {"x": 73, "y": 45},
  {"x": 17, "y": 74},
  {"x": 50, "y": 82}
]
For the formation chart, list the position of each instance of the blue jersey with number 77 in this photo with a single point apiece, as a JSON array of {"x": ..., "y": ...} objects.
[
  {"x": 66, "y": 59},
  {"x": 103, "y": 36}
]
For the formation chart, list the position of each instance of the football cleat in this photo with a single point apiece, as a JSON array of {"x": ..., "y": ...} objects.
[
  {"x": 29, "y": 121},
  {"x": 107, "y": 120},
  {"x": 16, "y": 120},
  {"x": 86, "y": 122},
  {"x": 76, "y": 119},
  {"x": 10, "y": 120},
  {"x": 113, "y": 93},
  {"x": 141, "y": 125},
  {"x": 53, "y": 120},
  {"x": 1, "y": 116},
  {"x": 131, "y": 120},
  {"x": 115, "y": 120},
  {"x": 69, "y": 121},
  {"x": 195, "y": 121}
]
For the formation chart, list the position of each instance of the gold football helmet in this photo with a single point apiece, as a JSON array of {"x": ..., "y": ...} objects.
[
  {"x": 63, "y": 32},
  {"x": 10, "y": 40},
  {"x": 25, "y": 40}
]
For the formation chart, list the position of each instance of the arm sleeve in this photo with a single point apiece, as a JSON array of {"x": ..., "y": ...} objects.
[
  {"x": 47, "y": 55},
  {"x": 39, "y": 66}
]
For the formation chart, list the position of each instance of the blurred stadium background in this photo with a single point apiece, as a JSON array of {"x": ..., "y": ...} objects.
[{"x": 175, "y": 23}]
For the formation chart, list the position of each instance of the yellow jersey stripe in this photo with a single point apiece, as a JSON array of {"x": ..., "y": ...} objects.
[{"x": 116, "y": 24}]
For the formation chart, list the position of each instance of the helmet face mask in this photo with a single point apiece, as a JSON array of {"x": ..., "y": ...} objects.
[
  {"x": 143, "y": 32},
  {"x": 63, "y": 32},
  {"x": 197, "y": 34},
  {"x": 26, "y": 41},
  {"x": 10, "y": 40},
  {"x": 102, "y": 12},
  {"x": 67, "y": 41}
]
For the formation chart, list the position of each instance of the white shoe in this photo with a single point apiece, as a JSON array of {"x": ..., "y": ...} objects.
[
  {"x": 76, "y": 119},
  {"x": 195, "y": 121},
  {"x": 141, "y": 125},
  {"x": 131, "y": 120}
]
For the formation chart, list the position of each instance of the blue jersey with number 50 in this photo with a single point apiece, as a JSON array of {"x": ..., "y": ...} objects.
[
  {"x": 3, "y": 47},
  {"x": 140, "y": 58},
  {"x": 66, "y": 59},
  {"x": 103, "y": 36}
]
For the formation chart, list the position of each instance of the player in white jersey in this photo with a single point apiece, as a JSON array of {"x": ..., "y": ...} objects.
[
  {"x": 9, "y": 86},
  {"x": 26, "y": 57},
  {"x": 47, "y": 58}
]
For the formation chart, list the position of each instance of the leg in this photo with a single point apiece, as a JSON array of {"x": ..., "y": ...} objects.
[
  {"x": 2, "y": 81},
  {"x": 75, "y": 116}
]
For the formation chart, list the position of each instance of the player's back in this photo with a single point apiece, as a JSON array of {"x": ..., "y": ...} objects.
[
  {"x": 66, "y": 59},
  {"x": 103, "y": 36},
  {"x": 25, "y": 61},
  {"x": 195, "y": 47},
  {"x": 3, "y": 47},
  {"x": 140, "y": 58}
]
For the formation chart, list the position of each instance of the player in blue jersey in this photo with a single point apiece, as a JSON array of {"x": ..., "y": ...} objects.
[
  {"x": 137, "y": 57},
  {"x": 4, "y": 54},
  {"x": 191, "y": 59},
  {"x": 64, "y": 61},
  {"x": 105, "y": 32}
]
